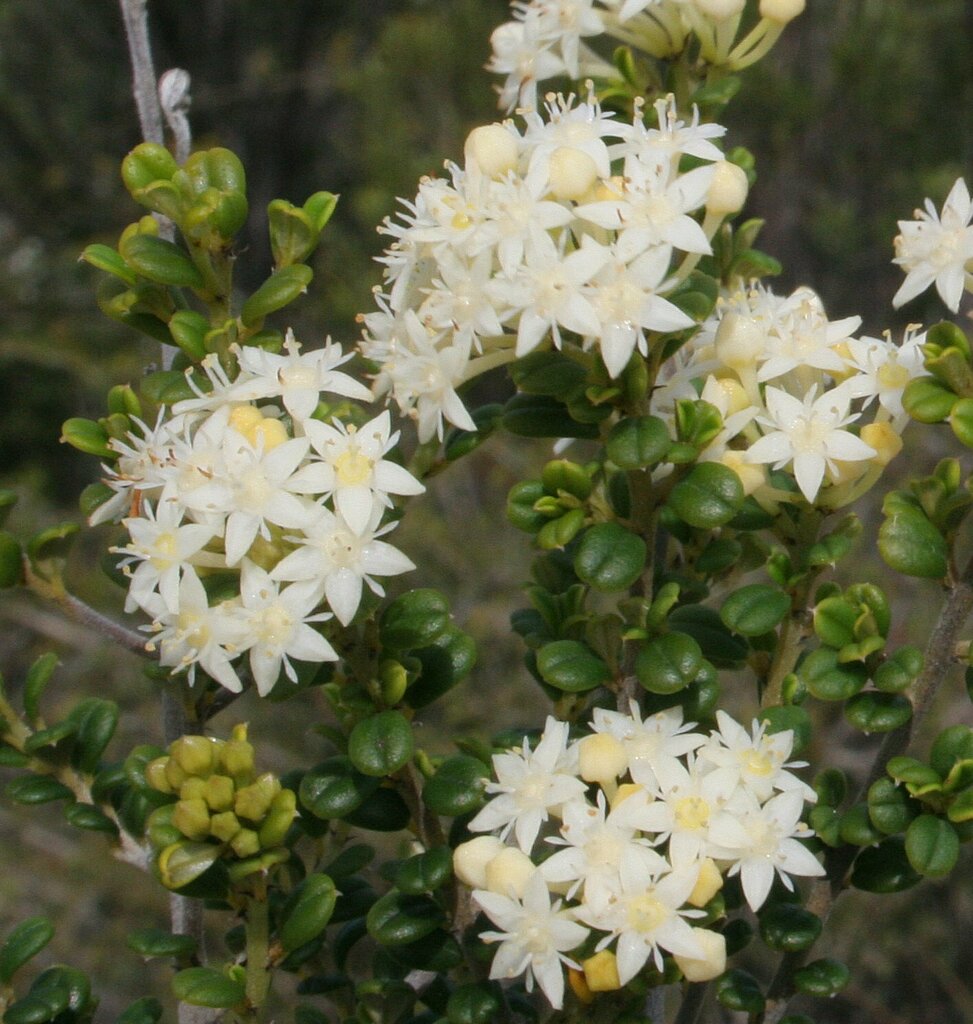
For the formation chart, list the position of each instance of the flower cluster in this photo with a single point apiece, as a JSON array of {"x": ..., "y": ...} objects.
[
  {"x": 792, "y": 387},
  {"x": 938, "y": 249},
  {"x": 548, "y": 38},
  {"x": 648, "y": 818},
  {"x": 574, "y": 229},
  {"x": 243, "y": 483}
]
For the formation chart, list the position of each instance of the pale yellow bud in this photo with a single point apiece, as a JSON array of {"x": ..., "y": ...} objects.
[
  {"x": 492, "y": 148},
  {"x": 257, "y": 428},
  {"x": 604, "y": 190},
  {"x": 731, "y": 391},
  {"x": 625, "y": 790},
  {"x": 720, "y": 10},
  {"x": 601, "y": 758},
  {"x": 601, "y": 972},
  {"x": 508, "y": 872},
  {"x": 728, "y": 189},
  {"x": 752, "y": 476},
  {"x": 708, "y": 884},
  {"x": 713, "y": 962},
  {"x": 470, "y": 860},
  {"x": 883, "y": 438},
  {"x": 740, "y": 341},
  {"x": 571, "y": 173},
  {"x": 781, "y": 11}
]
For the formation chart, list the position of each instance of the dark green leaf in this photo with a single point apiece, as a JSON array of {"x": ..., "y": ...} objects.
[
  {"x": 204, "y": 986},
  {"x": 710, "y": 496},
  {"x": 932, "y": 845},
  {"x": 152, "y": 942},
  {"x": 22, "y": 944},
  {"x": 397, "y": 919},
  {"x": 457, "y": 786},
  {"x": 755, "y": 609},
  {"x": 571, "y": 666},
  {"x": 669, "y": 663},
  {"x": 307, "y": 911},
  {"x": 610, "y": 558},
  {"x": 382, "y": 744}
]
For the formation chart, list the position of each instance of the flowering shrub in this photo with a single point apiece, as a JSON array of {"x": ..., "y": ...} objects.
[{"x": 680, "y": 617}]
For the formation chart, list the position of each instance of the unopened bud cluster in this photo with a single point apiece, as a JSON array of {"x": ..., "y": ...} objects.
[{"x": 219, "y": 799}]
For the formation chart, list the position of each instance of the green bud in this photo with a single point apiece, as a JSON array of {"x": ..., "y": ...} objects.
[
  {"x": 394, "y": 680},
  {"x": 558, "y": 533},
  {"x": 961, "y": 420},
  {"x": 253, "y": 801},
  {"x": 191, "y": 817},
  {"x": 279, "y": 819},
  {"x": 927, "y": 401},
  {"x": 564, "y": 475},
  {"x": 224, "y": 826},
  {"x": 215, "y": 217},
  {"x": 194, "y": 754},
  {"x": 246, "y": 843},
  {"x": 218, "y": 792},
  {"x": 237, "y": 760},
  {"x": 175, "y": 775},
  {"x": 160, "y": 830},
  {"x": 215, "y": 168},
  {"x": 293, "y": 235},
  {"x": 146, "y": 163},
  {"x": 194, "y": 788}
]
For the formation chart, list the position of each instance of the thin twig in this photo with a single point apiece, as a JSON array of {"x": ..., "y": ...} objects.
[{"x": 143, "y": 73}]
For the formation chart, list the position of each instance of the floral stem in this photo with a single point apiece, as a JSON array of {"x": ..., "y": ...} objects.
[{"x": 258, "y": 946}]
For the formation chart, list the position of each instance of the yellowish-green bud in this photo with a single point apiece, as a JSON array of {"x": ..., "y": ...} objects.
[
  {"x": 258, "y": 429},
  {"x": 155, "y": 775},
  {"x": 884, "y": 439},
  {"x": 218, "y": 792},
  {"x": 194, "y": 788},
  {"x": 720, "y": 10},
  {"x": 236, "y": 759},
  {"x": 625, "y": 790},
  {"x": 394, "y": 680},
  {"x": 194, "y": 754},
  {"x": 601, "y": 972},
  {"x": 470, "y": 860},
  {"x": 781, "y": 11},
  {"x": 246, "y": 843},
  {"x": 571, "y": 172},
  {"x": 174, "y": 774},
  {"x": 509, "y": 872},
  {"x": 713, "y": 962},
  {"x": 279, "y": 819},
  {"x": 740, "y": 341},
  {"x": 728, "y": 189},
  {"x": 708, "y": 884},
  {"x": 224, "y": 826},
  {"x": 253, "y": 801},
  {"x": 492, "y": 148},
  {"x": 191, "y": 817},
  {"x": 601, "y": 758}
]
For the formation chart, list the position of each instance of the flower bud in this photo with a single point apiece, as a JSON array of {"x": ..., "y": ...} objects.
[
  {"x": 625, "y": 790},
  {"x": 155, "y": 775},
  {"x": 191, "y": 817},
  {"x": 394, "y": 681},
  {"x": 708, "y": 884},
  {"x": 884, "y": 439},
  {"x": 224, "y": 826},
  {"x": 237, "y": 759},
  {"x": 493, "y": 148},
  {"x": 601, "y": 972},
  {"x": 726, "y": 393},
  {"x": 218, "y": 792},
  {"x": 713, "y": 962},
  {"x": 571, "y": 173},
  {"x": 194, "y": 754},
  {"x": 509, "y": 872},
  {"x": 279, "y": 819},
  {"x": 720, "y": 10},
  {"x": 174, "y": 774},
  {"x": 194, "y": 788},
  {"x": 470, "y": 860},
  {"x": 781, "y": 11},
  {"x": 601, "y": 758},
  {"x": 246, "y": 843},
  {"x": 728, "y": 188},
  {"x": 257, "y": 428},
  {"x": 253, "y": 801},
  {"x": 752, "y": 475},
  {"x": 740, "y": 341}
]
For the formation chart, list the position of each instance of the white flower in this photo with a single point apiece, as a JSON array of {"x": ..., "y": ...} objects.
[
  {"x": 762, "y": 841},
  {"x": 810, "y": 433},
  {"x": 884, "y": 369},
  {"x": 352, "y": 470},
  {"x": 535, "y": 937},
  {"x": 297, "y": 379},
  {"x": 936, "y": 249},
  {"x": 531, "y": 784},
  {"x": 164, "y": 546},
  {"x": 522, "y": 54},
  {"x": 340, "y": 561},
  {"x": 276, "y": 622},
  {"x": 646, "y": 917}
]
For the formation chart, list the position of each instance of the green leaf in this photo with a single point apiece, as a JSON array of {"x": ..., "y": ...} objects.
[
  {"x": 37, "y": 789},
  {"x": 878, "y": 712},
  {"x": 382, "y": 744},
  {"x": 896, "y": 673},
  {"x": 396, "y": 918},
  {"x": 189, "y": 329},
  {"x": 669, "y": 663},
  {"x": 22, "y": 944},
  {"x": 932, "y": 845},
  {"x": 307, "y": 911},
  {"x": 457, "y": 787},
  {"x": 738, "y": 990},
  {"x": 884, "y": 868},
  {"x": 710, "y": 496},
  {"x": 335, "y": 788},
  {"x": 571, "y": 666},
  {"x": 788, "y": 928},
  {"x": 610, "y": 558},
  {"x": 185, "y": 861},
  {"x": 755, "y": 609},
  {"x": 558, "y": 533},
  {"x": 638, "y": 441},
  {"x": 48, "y": 550},
  {"x": 414, "y": 620},
  {"x": 11, "y": 561},
  {"x": 166, "y": 386},
  {"x": 542, "y": 416},
  {"x": 889, "y": 807},
  {"x": 147, "y": 1010},
  {"x": 293, "y": 234},
  {"x": 705, "y": 626},
  {"x": 319, "y": 207},
  {"x": 153, "y": 942},
  {"x": 547, "y": 373},
  {"x": 425, "y": 872},
  {"x": 953, "y": 744},
  {"x": 277, "y": 291},
  {"x": 90, "y": 819},
  {"x": 383, "y": 811},
  {"x": 204, "y": 986},
  {"x": 475, "y": 1003},
  {"x": 855, "y": 827},
  {"x": 105, "y": 258},
  {"x": 96, "y": 722},
  {"x": 911, "y": 544},
  {"x": 823, "y": 978},
  {"x": 827, "y": 679},
  {"x": 148, "y": 162},
  {"x": 445, "y": 663},
  {"x": 161, "y": 261},
  {"x": 926, "y": 400}
]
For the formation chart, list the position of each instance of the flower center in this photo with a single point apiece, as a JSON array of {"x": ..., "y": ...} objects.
[
  {"x": 646, "y": 913},
  {"x": 755, "y": 762},
  {"x": 342, "y": 547},
  {"x": 692, "y": 813},
  {"x": 299, "y": 377},
  {"x": 164, "y": 551},
  {"x": 893, "y": 375},
  {"x": 275, "y": 626},
  {"x": 352, "y": 468}
]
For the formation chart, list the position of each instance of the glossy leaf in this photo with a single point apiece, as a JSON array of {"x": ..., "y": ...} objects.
[
  {"x": 204, "y": 986},
  {"x": 571, "y": 666},
  {"x": 710, "y": 496},
  {"x": 610, "y": 558},
  {"x": 932, "y": 845},
  {"x": 381, "y": 744},
  {"x": 755, "y": 609},
  {"x": 22, "y": 944}
]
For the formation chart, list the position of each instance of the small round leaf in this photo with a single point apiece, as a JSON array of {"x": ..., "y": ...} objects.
[
  {"x": 710, "y": 496},
  {"x": 382, "y": 744},
  {"x": 755, "y": 609},
  {"x": 610, "y": 558}
]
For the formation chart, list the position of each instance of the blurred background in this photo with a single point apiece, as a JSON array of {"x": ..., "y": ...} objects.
[{"x": 863, "y": 110}]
